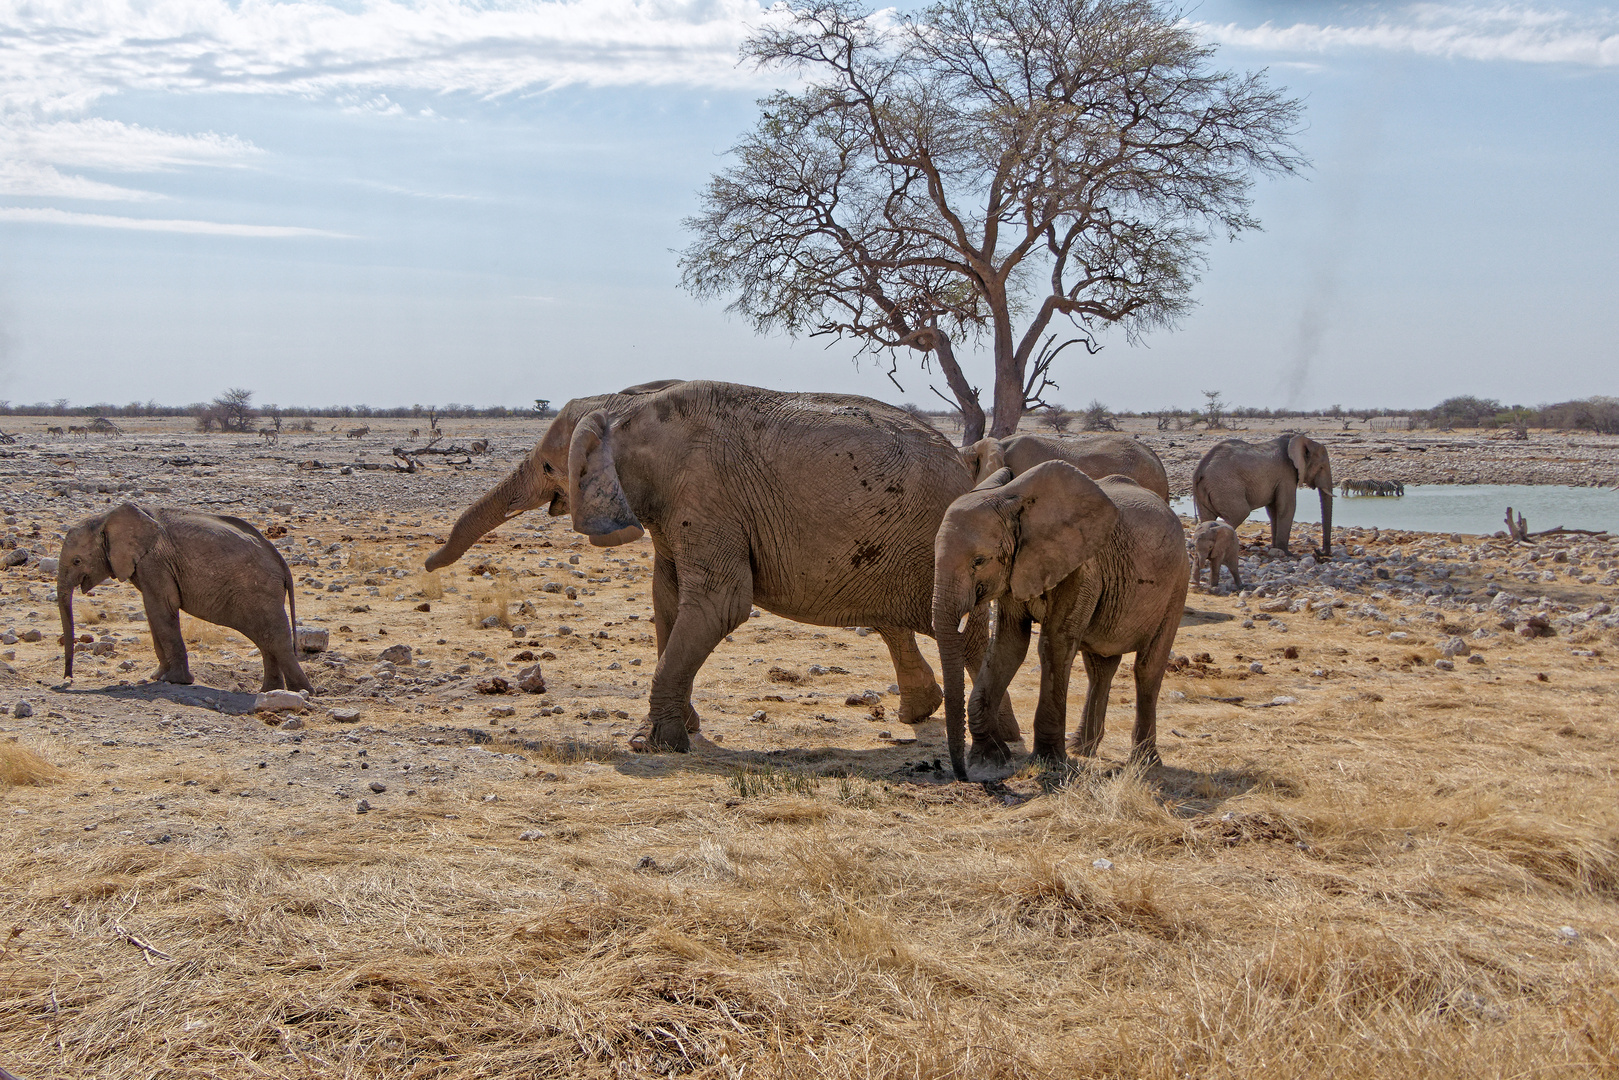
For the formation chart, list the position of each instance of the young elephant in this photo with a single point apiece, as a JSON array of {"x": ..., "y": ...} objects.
[
  {"x": 219, "y": 569},
  {"x": 1101, "y": 565},
  {"x": 1094, "y": 454},
  {"x": 1215, "y": 543}
]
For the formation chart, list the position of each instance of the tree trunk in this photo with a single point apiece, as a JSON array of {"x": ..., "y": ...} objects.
[
  {"x": 972, "y": 413},
  {"x": 1008, "y": 406}
]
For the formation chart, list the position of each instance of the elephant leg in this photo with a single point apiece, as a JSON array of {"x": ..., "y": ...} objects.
[
  {"x": 1051, "y": 714},
  {"x": 281, "y": 668},
  {"x": 164, "y": 619},
  {"x": 1150, "y": 664},
  {"x": 665, "y": 606},
  {"x": 707, "y": 612},
  {"x": 1236, "y": 569},
  {"x": 919, "y": 693},
  {"x": 1007, "y": 649},
  {"x": 1099, "y": 675}
]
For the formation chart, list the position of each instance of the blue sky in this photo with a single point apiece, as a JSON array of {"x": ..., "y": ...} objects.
[{"x": 403, "y": 201}]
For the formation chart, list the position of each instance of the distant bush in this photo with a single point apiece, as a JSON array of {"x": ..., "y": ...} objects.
[{"x": 1598, "y": 414}]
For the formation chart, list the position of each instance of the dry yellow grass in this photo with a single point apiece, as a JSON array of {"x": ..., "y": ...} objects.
[
  {"x": 22, "y": 767},
  {"x": 1374, "y": 882}
]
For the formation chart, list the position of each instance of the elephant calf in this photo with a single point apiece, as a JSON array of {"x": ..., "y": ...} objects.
[
  {"x": 219, "y": 569},
  {"x": 1215, "y": 545},
  {"x": 1101, "y": 565}
]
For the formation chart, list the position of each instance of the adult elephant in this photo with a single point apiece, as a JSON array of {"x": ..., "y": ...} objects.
[
  {"x": 821, "y": 508},
  {"x": 1099, "y": 455},
  {"x": 1235, "y": 477}
]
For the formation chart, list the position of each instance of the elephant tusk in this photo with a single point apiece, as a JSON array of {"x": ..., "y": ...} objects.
[{"x": 961, "y": 627}]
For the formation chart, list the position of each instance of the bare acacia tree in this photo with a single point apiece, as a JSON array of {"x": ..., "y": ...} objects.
[
  {"x": 233, "y": 410},
  {"x": 1020, "y": 172}
]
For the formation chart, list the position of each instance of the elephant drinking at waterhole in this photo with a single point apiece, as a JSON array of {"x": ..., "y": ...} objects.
[{"x": 1235, "y": 478}]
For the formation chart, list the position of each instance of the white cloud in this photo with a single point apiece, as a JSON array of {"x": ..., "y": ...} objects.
[
  {"x": 36, "y": 179},
  {"x": 58, "y": 58},
  {"x": 49, "y": 216},
  {"x": 1505, "y": 32}
]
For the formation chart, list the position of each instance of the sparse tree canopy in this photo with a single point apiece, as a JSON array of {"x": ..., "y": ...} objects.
[
  {"x": 978, "y": 170},
  {"x": 234, "y": 409}
]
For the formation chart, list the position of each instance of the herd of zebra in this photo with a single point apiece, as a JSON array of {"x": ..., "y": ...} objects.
[{"x": 1372, "y": 487}]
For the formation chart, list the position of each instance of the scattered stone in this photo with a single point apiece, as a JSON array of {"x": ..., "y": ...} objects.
[
  {"x": 292, "y": 723},
  {"x": 1445, "y": 665},
  {"x": 1399, "y": 635},
  {"x": 31, "y": 636},
  {"x": 345, "y": 716},
  {"x": 782, "y": 675},
  {"x": 378, "y": 787},
  {"x": 1453, "y": 647},
  {"x": 22, "y": 710},
  {"x": 396, "y": 654},
  {"x": 1476, "y": 658},
  {"x": 313, "y": 641},
  {"x": 1102, "y": 864},
  {"x": 531, "y": 680},
  {"x": 496, "y": 685},
  {"x": 281, "y": 701},
  {"x": 503, "y": 710},
  {"x": 1257, "y": 668},
  {"x": 1568, "y": 933},
  {"x": 491, "y": 622},
  {"x": 424, "y": 607},
  {"x": 47, "y": 566},
  {"x": 759, "y": 716},
  {"x": 362, "y": 807},
  {"x": 15, "y": 557},
  {"x": 532, "y": 834}
]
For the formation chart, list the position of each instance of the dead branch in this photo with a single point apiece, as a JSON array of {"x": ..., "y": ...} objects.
[{"x": 148, "y": 951}]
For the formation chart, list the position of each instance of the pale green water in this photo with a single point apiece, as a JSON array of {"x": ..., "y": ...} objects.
[{"x": 1462, "y": 508}]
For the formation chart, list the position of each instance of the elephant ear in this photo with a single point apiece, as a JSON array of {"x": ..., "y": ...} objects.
[
  {"x": 1308, "y": 457},
  {"x": 999, "y": 478},
  {"x": 129, "y": 533},
  {"x": 983, "y": 458},
  {"x": 1063, "y": 519},
  {"x": 595, "y": 497}
]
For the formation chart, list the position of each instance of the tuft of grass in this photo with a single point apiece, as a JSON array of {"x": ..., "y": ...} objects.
[
  {"x": 751, "y": 783},
  {"x": 497, "y": 602},
  {"x": 22, "y": 767},
  {"x": 429, "y": 586}
]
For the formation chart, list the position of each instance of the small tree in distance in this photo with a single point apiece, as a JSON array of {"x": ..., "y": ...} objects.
[
  {"x": 1057, "y": 418},
  {"x": 234, "y": 409},
  {"x": 982, "y": 169},
  {"x": 1213, "y": 410}
]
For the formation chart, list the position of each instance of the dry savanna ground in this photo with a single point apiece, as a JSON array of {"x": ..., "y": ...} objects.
[{"x": 1351, "y": 863}]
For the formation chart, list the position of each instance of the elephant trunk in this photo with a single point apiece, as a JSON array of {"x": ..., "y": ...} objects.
[
  {"x": 512, "y": 496},
  {"x": 1326, "y": 519},
  {"x": 948, "y": 615},
  {"x": 64, "y": 605}
]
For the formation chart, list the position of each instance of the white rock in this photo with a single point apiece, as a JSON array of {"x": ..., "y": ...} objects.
[
  {"x": 1102, "y": 864},
  {"x": 281, "y": 701},
  {"x": 313, "y": 641}
]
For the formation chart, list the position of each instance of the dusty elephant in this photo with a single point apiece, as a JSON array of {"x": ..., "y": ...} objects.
[
  {"x": 1214, "y": 544},
  {"x": 820, "y": 508},
  {"x": 1235, "y": 477},
  {"x": 1106, "y": 454},
  {"x": 1100, "y": 565},
  {"x": 219, "y": 569}
]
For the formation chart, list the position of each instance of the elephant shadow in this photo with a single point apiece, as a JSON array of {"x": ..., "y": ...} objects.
[{"x": 195, "y": 695}]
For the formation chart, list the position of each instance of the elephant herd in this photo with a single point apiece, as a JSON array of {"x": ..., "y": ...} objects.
[{"x": 821, "y": 508}]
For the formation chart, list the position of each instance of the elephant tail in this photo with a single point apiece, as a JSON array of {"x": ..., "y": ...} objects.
[{"x": 1202, "y": 508}]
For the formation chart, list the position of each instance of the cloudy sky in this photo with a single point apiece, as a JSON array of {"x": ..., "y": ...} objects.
[{"x": 419, "y": 201}]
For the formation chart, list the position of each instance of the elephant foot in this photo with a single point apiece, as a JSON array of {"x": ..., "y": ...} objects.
[
  {"x": 1080, "y": 746},
  {"x": 180, "y": 678},
  {"x": 990, "y": 754},
  {"x": 649, "y": 740},
  {"x": 1145, "y": 755},
  {"x": 694, "y": 723},
  {"x": 917, "y": 703}
]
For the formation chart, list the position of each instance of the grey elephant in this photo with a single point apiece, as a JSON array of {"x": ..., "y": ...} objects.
[
  {"x": 1101, "y": 565},
  {"x": 820, "y": 508},
  {"x": 1236, "y": 477},
  {"x": 1214, "y": 544},
  {"x": 1099, "y": 455},
  {"x": 220, "y": 569}
]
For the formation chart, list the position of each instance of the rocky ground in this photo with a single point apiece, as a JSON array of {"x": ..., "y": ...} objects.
[{"x": 491, "y": 704}]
